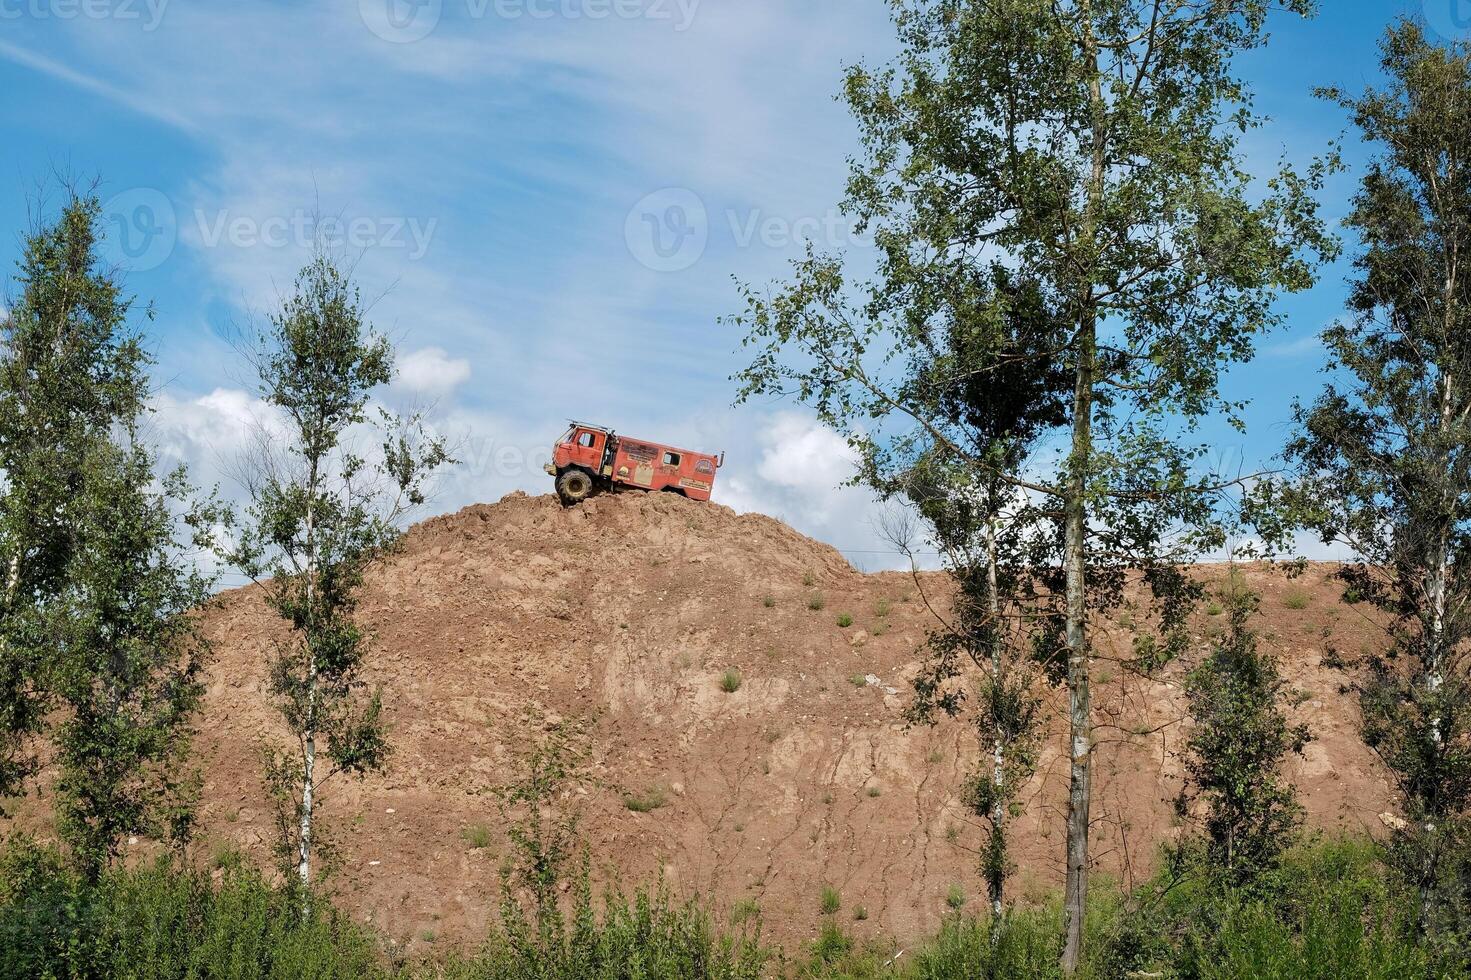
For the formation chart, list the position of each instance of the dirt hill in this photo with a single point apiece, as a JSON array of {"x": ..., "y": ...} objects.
[{"x": 500, "y": 620}]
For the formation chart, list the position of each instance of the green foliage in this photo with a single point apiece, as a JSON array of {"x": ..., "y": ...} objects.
[
  {"x": 1296, "y": 599},
  {"x": 844, "y": 620},
  {"x": 320, "y": 514},
  {"x": 816, "y": 601},
  {"x": 955, "y": 898},
  {"x": 1381, "y": 461},
  {"x": 730, "y": 681},
  {"x": 477, "y": 836},
  {"x": 165, "y": 921},
  {"x": 70, "y": 370},
  {"x": 830, "y": 901},
  {"x": 745, "y": 910},
  {"x": 650, "y": 799},
  {"x": 1236, "y": 749},
  {"x": 96, "y": 613}
]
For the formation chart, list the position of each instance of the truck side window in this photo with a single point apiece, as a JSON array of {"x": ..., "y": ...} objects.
[
  {"x": 585, "y": 440},
  {"x": 671, "y": 459}
]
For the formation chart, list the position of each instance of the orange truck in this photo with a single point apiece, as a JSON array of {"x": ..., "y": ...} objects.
[{"x": 589, "y": 458}]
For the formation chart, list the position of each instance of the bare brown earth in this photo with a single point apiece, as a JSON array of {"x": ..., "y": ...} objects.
[{"x": 500, "y": 620}]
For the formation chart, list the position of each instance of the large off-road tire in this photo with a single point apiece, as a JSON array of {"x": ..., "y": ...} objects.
[{"x": 574, "y": 486}]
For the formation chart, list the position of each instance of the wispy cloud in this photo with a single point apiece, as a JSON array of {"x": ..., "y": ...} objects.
[{"x": 112, "y": 93}]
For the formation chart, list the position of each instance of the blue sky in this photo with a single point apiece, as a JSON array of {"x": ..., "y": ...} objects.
[{"x": 496, "y": 164}]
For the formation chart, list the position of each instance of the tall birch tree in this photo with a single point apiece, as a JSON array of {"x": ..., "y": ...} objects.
[
  {"x": 321, "y": 512},
  {"x": 1381, "y": 457},
  {"x": 1089, "y": 151}
]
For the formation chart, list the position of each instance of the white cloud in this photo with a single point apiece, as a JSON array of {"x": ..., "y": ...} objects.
[{"x": 430, "y": 371}]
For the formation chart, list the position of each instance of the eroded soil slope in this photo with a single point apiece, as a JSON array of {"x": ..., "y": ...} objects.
[{"x": 499, "y": 620}]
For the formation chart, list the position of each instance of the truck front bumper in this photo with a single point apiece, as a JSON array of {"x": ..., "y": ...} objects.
[{"x": 551, "y": 470}]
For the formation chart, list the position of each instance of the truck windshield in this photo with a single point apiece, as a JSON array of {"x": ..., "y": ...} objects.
[{"x": 567, "y": 436}]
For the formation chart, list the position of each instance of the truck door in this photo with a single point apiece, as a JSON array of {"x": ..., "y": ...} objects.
[
  {"x": 668, "y": 468},
  {"x": 587, "y": 449}
]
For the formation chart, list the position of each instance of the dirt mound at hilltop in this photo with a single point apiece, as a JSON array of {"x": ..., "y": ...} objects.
[{"x": 625, "y": 612}]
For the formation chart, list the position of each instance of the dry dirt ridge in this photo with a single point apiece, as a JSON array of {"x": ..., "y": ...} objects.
[{"x": 499, "y": 620}]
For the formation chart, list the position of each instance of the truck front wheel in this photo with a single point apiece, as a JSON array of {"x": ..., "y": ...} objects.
[{"x": 574, "y": 486}]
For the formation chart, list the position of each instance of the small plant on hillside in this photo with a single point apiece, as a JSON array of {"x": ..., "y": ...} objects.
[
  {"x": 768, "y": 601},
  {"x": 1296, "y": 599},
  {"x": 745, "y": 910},
  {"x": 860, "y": 914},
  {"x": 730, "y": 681},
  {"x": 809, "y": 580},
  {"x": 1237, "y": 747},
  {"x": 1214, "y": 608},
  {"x": 955, "y": 898},
  {"x": 858, "y": 680},
  {"x": 874, "y": 792},
  {"x": 650, "y": 799},
  {"x": 816, "y": 601},
  {"x": 477, "y": 836},
  {"x": 830, "y": 901},
  {"x": 881, "y": 608},
  {"x": 844, "y": 620}
]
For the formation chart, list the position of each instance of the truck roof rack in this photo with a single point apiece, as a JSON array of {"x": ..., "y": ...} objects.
[{"x": 589, "y": 425}]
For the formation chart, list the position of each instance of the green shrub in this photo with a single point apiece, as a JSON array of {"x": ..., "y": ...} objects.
[
  {"x": 165, "y": 921},
  {"x": 831, "y": 901},
  {"x": 816, "y": 601},
  {"x": 650, "y": 799},
  {"x": 746, "y": 910},
  {"x": 955, "y": 898},
  {"x": 477, "y": 835},
  {"x": 1296, "y": 599},
  {"x": 730, "y": 681},
  {"x": 844, "y": 620}
]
